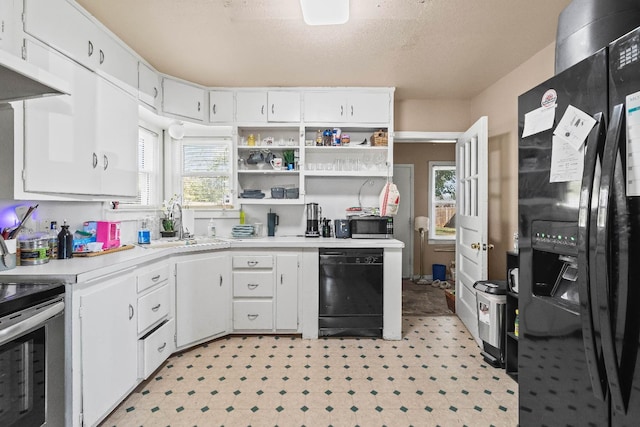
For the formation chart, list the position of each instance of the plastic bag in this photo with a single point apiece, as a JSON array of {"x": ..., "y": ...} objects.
[{"x": 389, "y": 199}]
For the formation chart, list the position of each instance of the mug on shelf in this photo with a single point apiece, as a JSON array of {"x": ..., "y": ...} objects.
[{"x": 276, "y": 163}]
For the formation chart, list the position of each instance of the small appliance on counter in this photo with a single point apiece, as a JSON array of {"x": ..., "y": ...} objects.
[
  {"x": 326, "y": 227},
  {"x": 342, "y": 230},
  {"x": 107, "y": 232},
  {"x": 371, "y": 227},
  {"x": 272, "y": 222},
  {"x": 313, "y": 220}
]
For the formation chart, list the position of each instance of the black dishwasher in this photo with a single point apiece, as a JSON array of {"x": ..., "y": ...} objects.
[{"x": 351, "y": 283}]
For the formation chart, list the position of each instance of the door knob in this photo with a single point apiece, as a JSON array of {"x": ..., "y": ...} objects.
[
  {"x": 487, "y": 246},
  {"x": 475, "y": 246}
]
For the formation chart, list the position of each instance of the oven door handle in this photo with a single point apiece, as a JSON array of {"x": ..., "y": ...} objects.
[{"x": 14, "y": 331}]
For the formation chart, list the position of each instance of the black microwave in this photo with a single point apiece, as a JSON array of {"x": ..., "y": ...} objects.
[{"x": 371, "y": 227}]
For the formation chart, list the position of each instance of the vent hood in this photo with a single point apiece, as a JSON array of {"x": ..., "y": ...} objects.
[{"x": 22, "y": 80}]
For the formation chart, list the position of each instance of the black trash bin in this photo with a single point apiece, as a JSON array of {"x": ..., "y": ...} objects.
[{"x": 491, "y": 299}]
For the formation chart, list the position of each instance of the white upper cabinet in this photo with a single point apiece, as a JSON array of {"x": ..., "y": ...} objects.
[
  {"x": 62, "y": 26},
  {"x": 347, "y": 107},
  {"x": 182, "y": 99},
  {"x": 220, "y": 106},
  {"x": 267, "y": 106},
  {"x": 148, "y": 86},
  {"x": 72, "y": 144}
]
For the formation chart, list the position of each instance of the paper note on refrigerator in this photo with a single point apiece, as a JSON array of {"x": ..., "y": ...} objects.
[
  {"x": 633, "y": 144},
  {"x": 567, "y": 163},
  {"x": 538, "y": 120},
  {"x": 574, "y": 126}
]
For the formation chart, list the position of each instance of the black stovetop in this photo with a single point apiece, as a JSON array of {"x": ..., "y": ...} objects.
[{"x": 18, "y": 296}]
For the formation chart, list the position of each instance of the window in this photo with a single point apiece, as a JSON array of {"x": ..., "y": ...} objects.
[
  {"x": 205, "y": 172},
  {"x": 149, "y": 170},
  {"x": 442, "y": 201}
]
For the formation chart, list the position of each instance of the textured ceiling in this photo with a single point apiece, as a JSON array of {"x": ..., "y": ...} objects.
[{"x": 425, "y": 48}]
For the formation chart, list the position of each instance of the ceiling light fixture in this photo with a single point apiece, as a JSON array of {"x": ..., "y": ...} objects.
[{"x": 325, "y": 12}]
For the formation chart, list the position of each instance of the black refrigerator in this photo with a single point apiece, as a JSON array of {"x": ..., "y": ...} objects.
[{"x": 579, "y": 229}]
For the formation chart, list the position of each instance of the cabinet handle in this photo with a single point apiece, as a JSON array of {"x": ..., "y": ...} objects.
[
  {"x": 198, "y": 105},
  {"x": 90, "y": 48},
  {"x": 155, "y": 92},
  {"x": 341, "y": 110},
  {"x": 156, "y": 307},
  {"x": 214, "y": 108},
  {"x": 106, "y": 162},
  {"x": 262, "y": 110},
  {"x": 252, "y": 316},
  {"x": 252, "y": 263},
  {"x": 252, "y": 286},
  {"x": 281, "y": 278},
  {"x": 101, "y": 57},
  {"x": 95, "y": 160},
  {"x": 162, "y": 347},
  {"x": 352, "y": 111},
  {"x": 130, "y": 312},
  {"x": 221, "y": 280},
  {"x": 273, "y": 109},
  {"x": 155, "y": 278}
]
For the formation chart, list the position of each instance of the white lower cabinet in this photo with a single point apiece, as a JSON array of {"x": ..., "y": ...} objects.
[
  {"x": 202, "y": 297},
  {"x": 108, "y": 345},
  {"x": 265, "y": 292},
  {"x": 155, "y": 347}
]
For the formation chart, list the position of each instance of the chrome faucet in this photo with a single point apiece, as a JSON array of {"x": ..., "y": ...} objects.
[{"x": 178, "y": 222}]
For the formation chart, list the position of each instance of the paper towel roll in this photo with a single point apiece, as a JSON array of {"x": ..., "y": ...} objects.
[
  {"x": 188, "y": 221},
  {"x": 421, "y": 222}
]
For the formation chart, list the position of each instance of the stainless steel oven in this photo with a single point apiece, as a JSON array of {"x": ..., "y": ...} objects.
[{"x": 32, "y": 380}]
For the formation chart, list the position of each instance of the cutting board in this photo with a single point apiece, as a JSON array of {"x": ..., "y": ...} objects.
[{"x": 106, "y": 251}]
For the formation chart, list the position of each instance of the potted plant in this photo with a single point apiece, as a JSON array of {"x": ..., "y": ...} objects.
[
  {"x": 289, "y": 157},
  {"x": 168, "y": 220}
]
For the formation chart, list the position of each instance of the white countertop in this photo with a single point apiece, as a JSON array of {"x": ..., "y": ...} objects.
[{"x": 82, "y": 269}]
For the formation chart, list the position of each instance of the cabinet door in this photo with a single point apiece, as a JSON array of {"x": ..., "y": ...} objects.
[
  {"x": 283, "y": 106},
  {"x": 324, "y": 107},
  {"x": 220, "y": 106},
  {"x": 369, "y": 107},
  {"x": 117, "y": 140},
  {"x": 59, "y": 131},
  {"x": 251, "y": 106},
  {"x": 287, "y": 291},
  {"x": 61, "y": 26},
  {"x": 202, "y": 297},
  {"x": 109, "y": 346},
  {"x": 182, "y": 99},
  {"x": 148, "y": 86},
  {"x": 116, "y": 63}
]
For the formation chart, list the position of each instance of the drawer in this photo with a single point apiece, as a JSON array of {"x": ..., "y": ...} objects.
[
  {"x": 252, "y": 261},
  {"x": 252, "y": 283},
  {"x": 155, "y": 348},
  {"x": 152, "y": 307},
  {"x": 153, "y": 277},
  {"x": 253, "y": 315}
]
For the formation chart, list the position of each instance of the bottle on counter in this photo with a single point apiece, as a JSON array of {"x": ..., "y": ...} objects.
[
  {"x": 65, "y": 242},
  {"x": 516, "y": 324},
  {"x": 53, "y": 239},
  {"x": 144, "y": 234},
  {"x": 242, "y": 216},
  {"x": 211, "y": 228}
]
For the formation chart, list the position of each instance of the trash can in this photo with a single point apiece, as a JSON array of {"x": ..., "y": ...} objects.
[{"x": 490, "y": 304}]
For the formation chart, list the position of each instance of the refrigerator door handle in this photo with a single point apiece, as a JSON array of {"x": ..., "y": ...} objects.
[
  {"x": 586, "y": 262},
  {"x": 612, "y": 203}
]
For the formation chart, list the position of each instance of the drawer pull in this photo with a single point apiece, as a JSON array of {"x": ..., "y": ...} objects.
[
  {"x": 252, "y": 316},
  {"x": 252, "y": 286},
  {"x": 155, "y": 278},
  {"x": 155, "y": 307},
  {"x": 162, "y": 347},
  {"x": 252, "y": 263}
]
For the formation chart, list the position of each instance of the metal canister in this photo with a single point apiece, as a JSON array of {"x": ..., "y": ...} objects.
[{"x": 34, "y": 250}]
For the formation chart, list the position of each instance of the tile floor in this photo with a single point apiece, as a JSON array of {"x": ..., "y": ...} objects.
[{"x": 434, "y": 376}]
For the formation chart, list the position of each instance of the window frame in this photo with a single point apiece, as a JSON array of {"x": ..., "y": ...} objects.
[
  {"x": 178, "y": 174},
  {"x": 432, "y": 237}
]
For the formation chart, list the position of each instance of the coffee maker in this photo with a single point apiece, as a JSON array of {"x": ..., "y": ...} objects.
[{"x": 313, "y": 220}]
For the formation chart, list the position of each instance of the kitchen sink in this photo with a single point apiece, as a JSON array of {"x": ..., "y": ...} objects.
[{"x": 172, "y": 243}]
